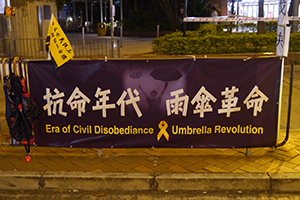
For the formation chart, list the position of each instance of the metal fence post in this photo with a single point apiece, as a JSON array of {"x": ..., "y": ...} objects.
[
  {"x": 118, "y": 46},
  {"x": 112, "y": 47},
  {"x": 83, "y": 40}
]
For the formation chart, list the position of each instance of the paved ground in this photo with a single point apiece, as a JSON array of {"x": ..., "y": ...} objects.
[{"x": 285, "y": 159}]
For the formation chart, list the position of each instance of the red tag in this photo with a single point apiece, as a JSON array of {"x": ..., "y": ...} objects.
[{"x": 27, "y": 158}]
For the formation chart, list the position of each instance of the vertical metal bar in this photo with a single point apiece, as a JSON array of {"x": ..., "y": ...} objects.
[
  {"x": 92, "y": 12},
  {"x": 2, "y": 69},
  {"x": 105, "y": 12},
  {"x": 5, "y": 46},
  {"x": 185, "y": 15},
  {"x": 83, "y": 50},
  {"x": 26, "y": 75},
  {"x": 92, "y": 45},
  {"x": 83, "y": 40},
  {"x": 104, "y": 47},
  {"x": 101, "y": 11},
  {"x": 32, "y": 47},
  {"x": 280, "y": 95},
  {"x": 289, "y": 105},
  {"x": 86, "y": 50},
  {"x": 23, "y": 48},
  {"x": 29, "y": 45},
  {"x": 103, "y": 44},
  {"x": 237, "y": 8},
  {"x": 100, "y": 47},
  {"x": 97, "y": 48},
  {"x": 111, "y": 21},
  {"x": 13, "y": 44},
  {"x": 74, "y": 46},
  {"x": 45, "y": 52},
  {"x": 86, "y": 13},
  {"x": 112, "y": 48},
  {"x": 23, "y": 71},
  {"x": 93, "y": 49},
  {"x": 14, "y": 48},
  {"x": 121, "y": 28},
  {"x": 107, "y": 46},
  {"x": 88, "y": 47},
  {"x": 118, "y": 46},
  {"x": 40, "y": 22}
]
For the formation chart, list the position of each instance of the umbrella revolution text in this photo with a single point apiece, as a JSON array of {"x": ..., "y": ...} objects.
[{"x": 176, "y": 130}]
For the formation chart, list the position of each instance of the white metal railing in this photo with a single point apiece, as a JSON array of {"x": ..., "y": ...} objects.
[
  {"x": 233, "y": 19},
  {"x": 34, "y": 48}
]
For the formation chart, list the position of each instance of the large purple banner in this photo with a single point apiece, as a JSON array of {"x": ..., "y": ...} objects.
[{"x": 206, "y": 103}]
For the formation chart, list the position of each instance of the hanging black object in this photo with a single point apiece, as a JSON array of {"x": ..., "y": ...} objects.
[
  {"x": 166, "y": 74},
  {"x": 30, "y": 108},
  {"x": 21, "y": 111}
]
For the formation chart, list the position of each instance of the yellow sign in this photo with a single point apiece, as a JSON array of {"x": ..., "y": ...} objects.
[
  {"x": 57, "y": 44},
  {"x": 9, "y": 11},
  {"x": 163, "y": 126}
]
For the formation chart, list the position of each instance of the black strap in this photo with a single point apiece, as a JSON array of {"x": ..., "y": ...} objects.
[{"x": 27, "y": 147}]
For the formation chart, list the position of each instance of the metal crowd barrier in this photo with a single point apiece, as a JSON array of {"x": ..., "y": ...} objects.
[{"x": 34, "y": 48}]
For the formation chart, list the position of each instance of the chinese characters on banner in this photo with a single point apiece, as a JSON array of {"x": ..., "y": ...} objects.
[
  {"x": 204, "y": 103},
  {"x": 78, "y": 101},
  {"x": 57, "y": 44}
]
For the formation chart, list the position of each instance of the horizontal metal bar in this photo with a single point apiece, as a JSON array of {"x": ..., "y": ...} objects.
[{"x": 233, "y": 19}]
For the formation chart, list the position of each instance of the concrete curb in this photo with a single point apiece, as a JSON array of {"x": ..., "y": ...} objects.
[
  {"x": 214, "y": 182},
  {"x": 285, "y": 182},
  {"x": 88, "y": 181}
]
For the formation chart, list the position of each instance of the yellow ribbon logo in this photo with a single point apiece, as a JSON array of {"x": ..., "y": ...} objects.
[{"x": 163, "y": 126}]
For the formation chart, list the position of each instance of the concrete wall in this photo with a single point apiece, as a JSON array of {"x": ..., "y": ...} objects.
[{"x": 25, "y": 25}]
